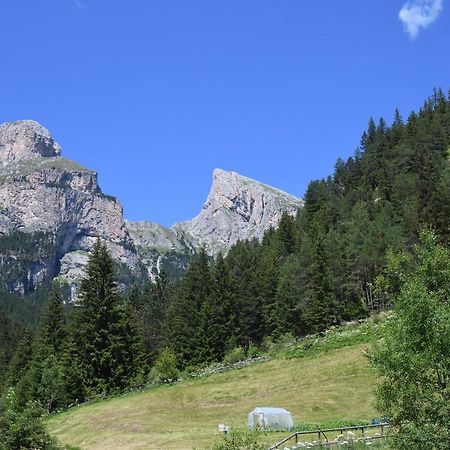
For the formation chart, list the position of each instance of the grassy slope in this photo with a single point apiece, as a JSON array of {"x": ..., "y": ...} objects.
[{"x": 334, "y": 385}]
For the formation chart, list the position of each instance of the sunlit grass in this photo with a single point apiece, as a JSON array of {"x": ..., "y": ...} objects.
[{"x": 336, "y": 385}]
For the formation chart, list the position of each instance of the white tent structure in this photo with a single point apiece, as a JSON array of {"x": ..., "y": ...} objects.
[{"x": 270, "y": 418}]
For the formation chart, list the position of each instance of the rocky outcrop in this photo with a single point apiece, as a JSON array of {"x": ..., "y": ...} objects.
[
  {"x": 52, "y": 211},
  {"x": 25, "y": 139},
  {"x": 163, "y": 249},
  {"x": 43, "y": 194},
  {"x": 237, "y": 208}
]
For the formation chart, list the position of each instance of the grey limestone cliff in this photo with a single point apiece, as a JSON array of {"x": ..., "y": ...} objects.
[
  {"x": 47, "y": 196},
  {"x": 237, "y": 208},
  {"x": 52, "y": 211}
]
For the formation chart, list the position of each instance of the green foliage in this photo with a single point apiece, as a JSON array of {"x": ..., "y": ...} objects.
[
  {"x": 234, "y": 355},
  {"x": 330, "y": 264},
  {"x": 22, "y": 428},
  {"x": 346, "y": 335},
  {"x": 53, "y": 330},
  {"x": 22, "y": 359},
  {"x": 189, "y": 311},
  {"x": 239, "y": 440},
  {"x": 10, "y": 335},
  {"x": 414, "y": 357},
  {"x": 165, "y": 368},
  {"x": 26, "y": 310},
  {"x": 329, "y": 424},
  {"x": 20, "y": 252},
  {"x": 149, "y": 309},
  {"x": 109, "y": 349},
  {"x": 319, "y": 269}
]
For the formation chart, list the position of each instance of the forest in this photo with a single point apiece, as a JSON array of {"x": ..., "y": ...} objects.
[{"x": 325, "y": 266}]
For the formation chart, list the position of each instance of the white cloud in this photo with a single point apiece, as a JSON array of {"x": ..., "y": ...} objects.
[{"x": 418, "y": 14}]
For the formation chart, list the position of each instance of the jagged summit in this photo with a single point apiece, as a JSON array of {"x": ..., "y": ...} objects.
[
  {"x": 224, "y": 180},
  {"x": 237, "y": 208},
  {"x": 26, "y": 139},
  {"x": 44, "y": 196}
]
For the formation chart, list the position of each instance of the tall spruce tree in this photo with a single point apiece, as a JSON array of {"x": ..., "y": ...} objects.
[
  {"x": 53, "y": 332},
  {"x": 184, "y": 326},
  {"x": 108, "y": 344}
]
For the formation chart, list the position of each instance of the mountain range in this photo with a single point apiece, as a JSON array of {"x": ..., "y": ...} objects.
[{"x": 52, "y": 210}]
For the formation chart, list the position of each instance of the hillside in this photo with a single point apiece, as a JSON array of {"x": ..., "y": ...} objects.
[{"x": 320, "y": 379}]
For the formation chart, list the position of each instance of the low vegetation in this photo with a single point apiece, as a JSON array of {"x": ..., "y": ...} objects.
[{"x": 328, "y": 384}]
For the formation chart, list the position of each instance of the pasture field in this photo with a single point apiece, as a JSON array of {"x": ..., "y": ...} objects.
[{"x": 331, "y": 385}]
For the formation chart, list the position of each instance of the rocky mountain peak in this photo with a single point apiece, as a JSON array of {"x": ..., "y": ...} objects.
[
  {"x": 235, "y": 190},
  {"x": 44, "y": 196},
  {"x": 238, "y": 208},
  {"x": 26, "y": 139}
]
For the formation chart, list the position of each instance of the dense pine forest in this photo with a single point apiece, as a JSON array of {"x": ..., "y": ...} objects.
[{"x": 324, "y": 266}]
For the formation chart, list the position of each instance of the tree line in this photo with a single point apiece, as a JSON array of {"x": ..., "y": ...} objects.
[{"x": 319, "y": 268}]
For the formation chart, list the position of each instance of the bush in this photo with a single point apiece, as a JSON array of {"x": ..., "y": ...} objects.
[
  {"x": 240, "y": 440},
  {"x": 253, "y": 351},
  {"x": 165, "y": 369},
  {"x": 22, "y": 428},
  {"x": 234, "y": 355}
]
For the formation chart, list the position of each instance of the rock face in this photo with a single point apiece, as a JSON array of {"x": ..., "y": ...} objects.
[
  {"x": 237, "y": 208},
  {"x": 25, "y": 139},
  {"x": 52, "y": 211},
  {"x": 46, "y": 197},
  {"x": 161, "y": 248}
]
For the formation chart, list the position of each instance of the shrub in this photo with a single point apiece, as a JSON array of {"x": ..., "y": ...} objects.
[
  {"x": 253, "y": 351},
  {"x": 22, "y": 428},
  {"x": 240, "y": 440},
  {"x": 234, "y": 355},
  {"x": 165, "y": 369}
]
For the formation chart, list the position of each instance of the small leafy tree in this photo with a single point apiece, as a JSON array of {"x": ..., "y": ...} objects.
[
  {"x": 165, "y": 368},
  {"x": 22, "y": 428},
  {"x": 240, "y": 440},
  {"x": 414, "y": 356}
]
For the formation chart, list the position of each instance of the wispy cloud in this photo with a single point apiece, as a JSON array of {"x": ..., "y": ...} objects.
[{"x": 418, "y": 14}]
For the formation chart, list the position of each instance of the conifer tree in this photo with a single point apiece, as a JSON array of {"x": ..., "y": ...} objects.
[
  {"x": 320, "y": 312},
  {"x": 149, "y": 307},
  {"x": 184, "y": 331},
  {"x": 53, "y": 331},
  {"x": 108, "y": 345},
  {"x": 21, "y": 360},
  {"x": 225, "y": 303}
]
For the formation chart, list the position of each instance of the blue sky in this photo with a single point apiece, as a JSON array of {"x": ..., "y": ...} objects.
[{"x": 154, "y": 94}]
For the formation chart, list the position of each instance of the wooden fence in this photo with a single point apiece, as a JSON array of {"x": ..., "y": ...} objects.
[{"x": 323, "y": 438}]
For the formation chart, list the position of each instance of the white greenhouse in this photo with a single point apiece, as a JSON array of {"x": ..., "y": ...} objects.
[{"x": 270, "y": 418}]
